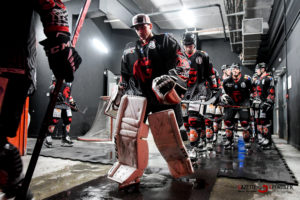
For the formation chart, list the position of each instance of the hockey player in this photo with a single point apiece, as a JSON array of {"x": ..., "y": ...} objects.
[
  {"x": 237, "y": 90},
  {"x": 152, "y": 68},
  {"x": 65, "y": 104},
  {"x": 226, "y": 72},
  {"x": 202, "y": 79},
  {"x": 265, "y": 95},
  {"x": 17, "y": 71}
]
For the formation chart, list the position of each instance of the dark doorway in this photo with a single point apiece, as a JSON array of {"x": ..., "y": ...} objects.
[{"x": 280, "y": 111}]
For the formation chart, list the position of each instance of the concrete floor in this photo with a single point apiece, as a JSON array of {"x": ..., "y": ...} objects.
[{"x": 56, "y": 175}]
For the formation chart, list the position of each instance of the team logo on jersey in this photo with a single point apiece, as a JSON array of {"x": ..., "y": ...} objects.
[
  {"x": 243, "y": 85},
  {"x": 229, "y": 84},
  {"x": 152, "y": 45},
  {"x": 199, "y": 60}
]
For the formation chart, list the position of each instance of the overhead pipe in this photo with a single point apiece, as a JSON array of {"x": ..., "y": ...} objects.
[{"x": 195, "y": 8}]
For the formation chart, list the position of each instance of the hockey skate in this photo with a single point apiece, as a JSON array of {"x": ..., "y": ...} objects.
[
  {"x": 202, "y": 145},
  {"x": 247, "y": 144},
  {"x": 66, "y": 142},
  {"x": 48, "y": 142},
  {"x": 215, "y": 138},
  {"x": 228, "y": 145},
  {"x": 192, "y": 154},
  {"x": 266, "y": 144},
  {"x": 260, "y": 139}
]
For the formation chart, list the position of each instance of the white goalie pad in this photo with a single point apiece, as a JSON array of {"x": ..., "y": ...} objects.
[
  {"x": 168, "y": 140},
  {"x": 132, "y": 146}
]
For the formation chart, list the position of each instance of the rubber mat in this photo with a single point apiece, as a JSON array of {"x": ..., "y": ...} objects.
[
  {"x": 103, "y": 153},
  {"x": 252, "y": 164}
]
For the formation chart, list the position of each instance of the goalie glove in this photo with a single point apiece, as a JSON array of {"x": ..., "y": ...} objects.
[
  {"x": 226, "y": 100},
  {"x": 73, "y": 106},
  {"x": 164, "y": 90},
  {"x": 266, "y": 106}
]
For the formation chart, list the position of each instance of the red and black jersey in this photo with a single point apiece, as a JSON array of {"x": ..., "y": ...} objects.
[
  {"x": 18, "y": 42},
  {"x": 239, "y": 90},
  {"x": 202, "y": 76},
  {"x": 142, "y": 63},
  {"x": 265, "y": 88},
  {"x": 64, "y": 95}
]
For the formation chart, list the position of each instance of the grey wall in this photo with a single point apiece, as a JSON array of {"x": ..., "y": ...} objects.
[
  {"x": 220, "y": 53},
  {"x": 285, "y": 51}
]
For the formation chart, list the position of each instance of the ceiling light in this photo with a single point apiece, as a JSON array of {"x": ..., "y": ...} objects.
[
  {"x": 100, "y": 46},
  {"x": 111, "y": 20},
  {"x": 188, "y": 17}
]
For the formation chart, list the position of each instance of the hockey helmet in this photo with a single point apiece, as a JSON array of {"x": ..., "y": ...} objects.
[
  {"x": 188, "y": 39},
  {"x": 236, "y": 65},
  {"x": 260, "y": 65}
]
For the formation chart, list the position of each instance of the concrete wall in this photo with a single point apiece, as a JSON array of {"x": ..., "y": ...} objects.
[{"x": 288, "y": 55}]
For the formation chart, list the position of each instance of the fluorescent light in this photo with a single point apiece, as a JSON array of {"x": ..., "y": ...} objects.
[
  {"x": 100, "y": 46},
  {"x": 111, "y": 20},
  {"x": 188, "y": 17}
]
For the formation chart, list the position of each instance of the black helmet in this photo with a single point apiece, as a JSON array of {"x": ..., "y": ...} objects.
[
  {"x": 236, "y": 65},
  {"x": 223, "y": 67},
  {"x": 260, "y": 65},
  {"x": 188, "y": 39}
]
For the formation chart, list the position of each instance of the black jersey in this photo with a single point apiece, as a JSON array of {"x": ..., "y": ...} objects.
[
  {"x": 240, "y": 90},
  {"x": 143, "y": 63},
  {"x": 265, "y": 88},
  {"x": 202, "y": 76},
  {"x": 18, "y": 53},
  {"x": 64, "y": 95}
]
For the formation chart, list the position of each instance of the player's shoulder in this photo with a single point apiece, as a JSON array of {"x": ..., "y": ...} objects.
[{"x": 247, "y": 77}]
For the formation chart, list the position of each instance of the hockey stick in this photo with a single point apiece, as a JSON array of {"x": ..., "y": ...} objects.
[
  {"x": 208, "y": 102},
  {"x": 49, "y": 112}
]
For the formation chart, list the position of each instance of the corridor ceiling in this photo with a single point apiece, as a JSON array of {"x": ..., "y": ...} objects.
[{"x": 245, "y": 21}]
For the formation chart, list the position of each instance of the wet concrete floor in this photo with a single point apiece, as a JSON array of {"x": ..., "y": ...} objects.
[
  {"x": 204, "y": 184},
  {"x": 64, "y": 179}
]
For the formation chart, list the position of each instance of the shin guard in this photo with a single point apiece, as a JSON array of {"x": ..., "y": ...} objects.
[
  {"x": 167, "y": 138},
  {"x": 131, "y": 144}
]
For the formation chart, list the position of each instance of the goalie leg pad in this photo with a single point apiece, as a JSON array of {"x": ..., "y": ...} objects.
[
  {"x": 167, "y": 138},
  {"x": 131, "y": 144}
]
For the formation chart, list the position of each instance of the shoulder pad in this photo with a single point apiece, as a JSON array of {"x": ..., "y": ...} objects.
[
  {"x": 129, "y": 48},
  {"x": 247, "y": 77},
  {"x": 204, "y": 53}
]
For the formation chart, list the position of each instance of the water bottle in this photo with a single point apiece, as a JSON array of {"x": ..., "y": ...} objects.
[{"x": 241, "y": 151}]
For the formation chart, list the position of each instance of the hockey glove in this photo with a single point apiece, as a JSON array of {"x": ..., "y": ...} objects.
[
  {"x": 73, "y": 106},
  {"x": 63, "y": 59},
  {"x": 226, "y": 100},
  {"x": 267, "y": 106}
]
